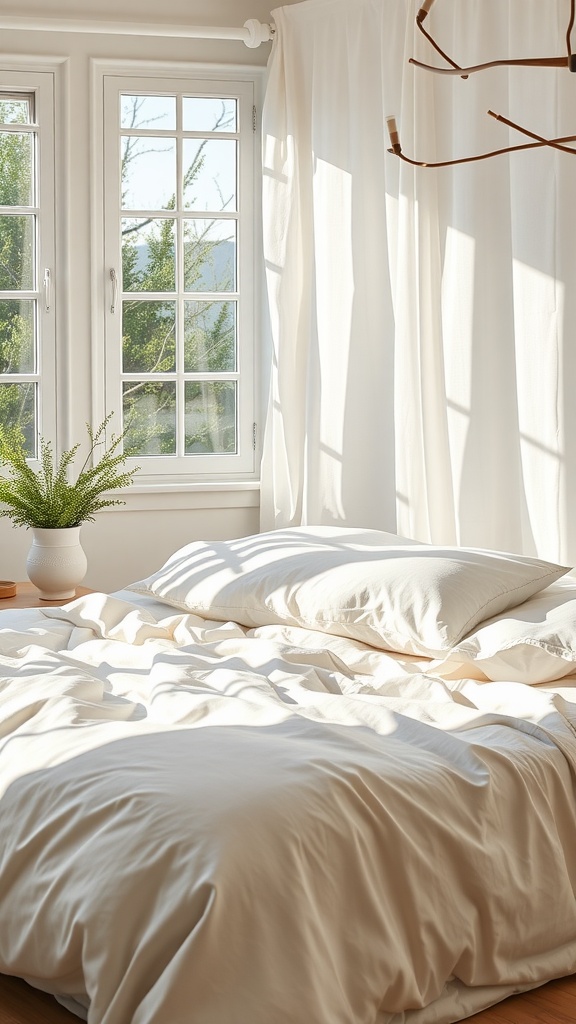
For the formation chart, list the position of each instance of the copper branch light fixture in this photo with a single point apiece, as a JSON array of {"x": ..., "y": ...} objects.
[{"x": 568, "y": 61}]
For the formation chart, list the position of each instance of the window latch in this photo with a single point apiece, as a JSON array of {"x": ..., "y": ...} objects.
[
  {"x": 114, "y": 280},
  {"x": 47, "y": 289}
]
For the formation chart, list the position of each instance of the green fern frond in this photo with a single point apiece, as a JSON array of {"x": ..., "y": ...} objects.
[{"x": 46, "y": 498}]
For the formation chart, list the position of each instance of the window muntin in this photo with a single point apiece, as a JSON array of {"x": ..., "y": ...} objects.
[{"x": 180, "y": 339}]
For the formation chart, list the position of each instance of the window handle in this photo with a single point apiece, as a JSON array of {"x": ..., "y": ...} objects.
[
  {"x": 114, "y": 280},
  {"x": 47, "y": 289}
]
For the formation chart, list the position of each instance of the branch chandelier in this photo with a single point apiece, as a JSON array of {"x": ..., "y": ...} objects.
[{"x": 569, "y": 62}]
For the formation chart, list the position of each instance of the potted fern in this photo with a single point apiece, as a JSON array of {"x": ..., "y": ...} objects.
[{"x": 54, "y": 507}]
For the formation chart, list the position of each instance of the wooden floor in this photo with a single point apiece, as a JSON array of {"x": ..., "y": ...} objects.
[
  {"x": 20, "y": 1004},
  {"x": 554, "y": 1003}
]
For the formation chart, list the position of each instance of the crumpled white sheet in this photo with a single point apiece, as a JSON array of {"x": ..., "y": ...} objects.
[{"x": 204, "y": 824}]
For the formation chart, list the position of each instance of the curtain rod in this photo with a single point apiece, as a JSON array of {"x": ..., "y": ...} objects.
[{"x": 253, "y": 33}]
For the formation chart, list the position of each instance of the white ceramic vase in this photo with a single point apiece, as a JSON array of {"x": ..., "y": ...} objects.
[{"x": 56, "y": 562}]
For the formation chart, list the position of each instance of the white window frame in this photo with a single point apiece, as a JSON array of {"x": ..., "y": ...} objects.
[
  {"x": 109, "y": 81},
  {"x": 41, "y": 84}
]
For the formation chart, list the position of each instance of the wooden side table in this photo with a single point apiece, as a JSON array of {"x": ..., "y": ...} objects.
[{"x": 27, "y": 596}]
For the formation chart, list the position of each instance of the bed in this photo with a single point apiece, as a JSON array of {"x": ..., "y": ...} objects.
[{"x": 314, "y": 776}]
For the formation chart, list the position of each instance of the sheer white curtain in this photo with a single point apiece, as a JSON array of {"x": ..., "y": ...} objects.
[{"x": 423, "y": 320}]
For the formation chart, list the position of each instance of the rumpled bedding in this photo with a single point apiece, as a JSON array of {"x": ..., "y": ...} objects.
[{"x": 202, "y": 823}]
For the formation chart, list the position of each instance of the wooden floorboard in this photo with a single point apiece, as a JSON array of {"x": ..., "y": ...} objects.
[
  {"x": 21, "y": 1004},
  {"x": 554, "y": 1003}
]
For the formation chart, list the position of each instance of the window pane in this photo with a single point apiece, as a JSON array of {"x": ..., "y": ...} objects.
[
  {"x": 210, "y": 417},
  {"x": 16, "y": 110},
  {"x": 208, "y": 114},
  {"x": 209, "y": 174},
  {"x": 148, "y": 112},
  {"x": 209, "y": 337},
  {"x": 149, "y": 410},
  {"x": 17, "y": 336},
  {"x": 148, "y": 255},
  {"x": 18, "y": 408},
  {"x": 148, "y": 173},
  {"x": 16, "y": 253},
  {"x": 210, "y": 255},
  {"x": 148, "y": 336},
  {"x": 16, "y": 168}
]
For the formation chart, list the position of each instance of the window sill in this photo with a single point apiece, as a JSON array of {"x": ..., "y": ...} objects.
[{"x": 205, "y": 494}]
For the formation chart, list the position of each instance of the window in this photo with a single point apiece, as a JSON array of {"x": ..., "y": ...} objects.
[
  {"x": 179, "y": 237},
  {"x": 27, "y": 333}
]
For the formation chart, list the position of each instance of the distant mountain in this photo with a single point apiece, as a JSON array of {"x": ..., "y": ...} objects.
[{"x": 217, "y": 273}]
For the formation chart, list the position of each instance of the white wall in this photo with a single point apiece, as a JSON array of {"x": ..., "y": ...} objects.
[{"x": 129, "y": 542}]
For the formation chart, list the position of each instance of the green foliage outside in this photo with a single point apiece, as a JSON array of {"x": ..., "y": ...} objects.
[{"x": 16, "y": 330}]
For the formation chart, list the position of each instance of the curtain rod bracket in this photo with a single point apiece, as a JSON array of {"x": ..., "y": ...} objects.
[{"x": 257, "y": 33}]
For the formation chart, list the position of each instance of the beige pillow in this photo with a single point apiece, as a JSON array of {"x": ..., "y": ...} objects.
[
  {"x": 371, "y": 586},
  {"x": 534, "y": 642}
]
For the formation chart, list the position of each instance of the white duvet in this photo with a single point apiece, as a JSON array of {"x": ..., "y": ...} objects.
[{"x": 206, "y": 824}]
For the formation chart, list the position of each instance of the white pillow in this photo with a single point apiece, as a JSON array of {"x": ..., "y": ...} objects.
[
  {"x": 370, "y": 586},
  {"x": 533, "y": 643}
]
